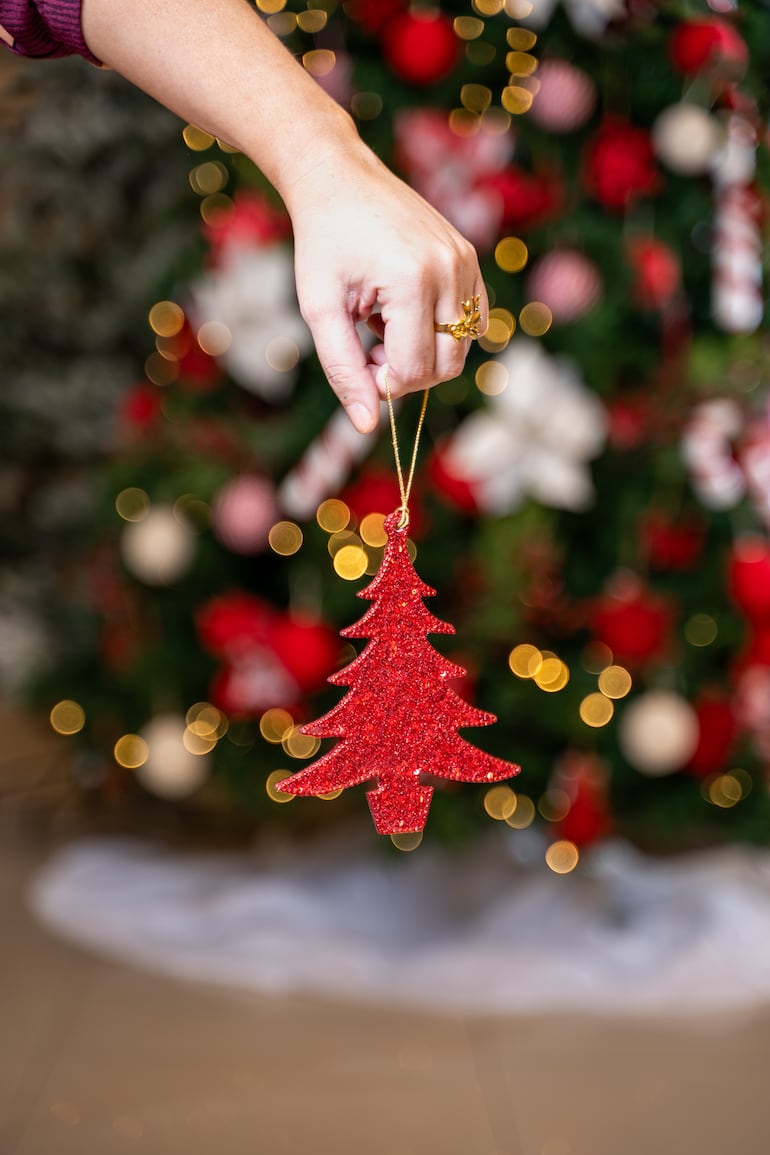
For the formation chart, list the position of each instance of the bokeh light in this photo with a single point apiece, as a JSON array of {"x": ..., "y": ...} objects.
[
  {"x": 535, "y": 319},
  {"x": 67, "y": 717},
  {"x": 274, "y": 724},
  {"x": 350, "y": 562},
  {"x": 524, "y": 814},
  {"x": 492, "y": 378},
  {"x": 615, "y": 682},
  {"x": 274, "y": 777},
  {"x": 299, "y": 745},
  {"x": 285, "y": 538},
  {"x": 500, "y": 802},
  {"x": 132, "y": 504},
  {"x": 596, "y": 710},
  {"x": 410, "y": 840},
  {"x": 525, "y": 660},
  {"x": 701, "y": 630},
  {"x": 332, "y": 515},
  {"x": 511, "y": 254},
  {"x": 562, "y": 856},
  {"x": 131, "y": 751},
  {"x": 372, "y": 530}
]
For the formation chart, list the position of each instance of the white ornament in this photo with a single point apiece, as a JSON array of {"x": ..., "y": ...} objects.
[
  {"x": 658, "y": 733},
  {"x": 171, "y": 770},
  {"x": 589, "y": 17},
  {"x": 686, "y": 138},
  {"x": 251, "y": 292},
  {"x": 707, "y": 449},
  {"x": 159, "y": 549},
  {"x": 535, "y": 438}
]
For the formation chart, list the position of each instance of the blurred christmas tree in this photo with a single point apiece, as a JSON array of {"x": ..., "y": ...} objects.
[{"x": 599, "y": 476}]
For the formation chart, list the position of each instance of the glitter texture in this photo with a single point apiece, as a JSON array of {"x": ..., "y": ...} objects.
[{"x": 399, "y": 719}]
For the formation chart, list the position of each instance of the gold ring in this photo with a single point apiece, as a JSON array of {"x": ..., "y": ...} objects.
[{"x": 468, "y": 324}]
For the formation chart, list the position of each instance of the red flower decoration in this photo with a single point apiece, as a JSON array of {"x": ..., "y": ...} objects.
[
  {"x": 633, "y": 622},
  {"x": 657, "y": 273},
  {"x": 307, "y": 648},
  {"x": 699, "y": 45},
  {"x": 421, "y": 46},
  {"x": 620, "y": 165},
  {"x": 251, "y": 220},
  {"x": 232, "y": 624},
  {"x": 527, "y": 199}
]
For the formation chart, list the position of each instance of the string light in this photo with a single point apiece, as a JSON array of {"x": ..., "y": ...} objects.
[
  {"x": 562, "y": 856},
  {"x": 274, "y": 724},
  {"x": 273, "y": 778},
  {"x": 596, "y": 710},
  {"x": 131, "y": 751},
  {"x": 615, "y": 682},
  {"x": 332, "y": 515},
  {"x": 500, "y": 802},
  {"x": 285, "y": 538},
  {"x": 524, "y": 814}
]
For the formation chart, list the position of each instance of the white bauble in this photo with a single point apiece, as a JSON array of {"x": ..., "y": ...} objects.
[
  {"x": 658, "y": 733},
  {"x": 170, "y": 770},
  {"x": 686, "y": 138},
  {"x": 159, "y": 549}
]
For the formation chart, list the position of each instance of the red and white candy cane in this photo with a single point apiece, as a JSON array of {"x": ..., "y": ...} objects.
[
  {"x": 324, "y": 467},
  {"x": 736, "y": 295}
]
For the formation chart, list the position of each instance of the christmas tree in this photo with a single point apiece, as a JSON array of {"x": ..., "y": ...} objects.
[{"x": 594, "y": 503}]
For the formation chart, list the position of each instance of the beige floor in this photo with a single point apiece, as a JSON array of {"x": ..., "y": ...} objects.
[{"x": 97, "y": 1059}]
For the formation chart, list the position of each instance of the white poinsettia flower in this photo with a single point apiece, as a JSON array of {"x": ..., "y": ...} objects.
[
  {"x": 251, "y": 292},
  {"x": 534, "y": 439}
]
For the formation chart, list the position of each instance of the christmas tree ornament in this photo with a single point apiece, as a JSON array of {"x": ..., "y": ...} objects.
[
  {"x": 567, "y": 282},
  {"x": 709, "y": 45},
  {"x": 160, "y": 548},
  {"x": 658, "y": 733},
  {"x": 421, "y": 46},
  {"x": 398, "y": 721},
  {"x": 565, "y": 99},
  {"x": 243, "y": 512},
  {"x": 737, "y": 302},
  {"x": 686, "y": 137}
]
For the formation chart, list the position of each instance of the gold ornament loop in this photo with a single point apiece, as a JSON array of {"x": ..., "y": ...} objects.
[
  {"x": 468, "y": 324},
  {"x": 404, "y": 485}
]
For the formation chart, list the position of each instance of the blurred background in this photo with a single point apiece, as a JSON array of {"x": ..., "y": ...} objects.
[{"x": 574, "y": 963}]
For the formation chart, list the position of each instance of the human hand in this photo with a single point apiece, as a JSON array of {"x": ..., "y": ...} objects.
[{"x": 369, "y": 248}]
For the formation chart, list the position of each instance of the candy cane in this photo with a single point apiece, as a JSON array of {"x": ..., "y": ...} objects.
[
  {"x": 324, "y": 467},
  {"x": 736, "y": 295}
]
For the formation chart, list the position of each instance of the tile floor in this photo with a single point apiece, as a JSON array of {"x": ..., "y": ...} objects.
[{"x": 97, "y": 1059}]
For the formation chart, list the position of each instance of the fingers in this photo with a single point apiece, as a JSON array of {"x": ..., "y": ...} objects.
[{"x": 344, "y": 362}]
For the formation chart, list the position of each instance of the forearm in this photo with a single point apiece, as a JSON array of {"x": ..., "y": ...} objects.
[{"x": 216, "y": 64}]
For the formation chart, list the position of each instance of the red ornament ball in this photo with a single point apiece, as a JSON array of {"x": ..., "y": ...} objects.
[
  {"x": 619, "y": 165},
  {"x": 749, "y": 576},
  {"x": 420, "y": 47},
  {"x": 567, "y": 282},
  {"x": 657, "y": 272},
  {"x": 565, "y": 99},
  {"x": 243, "y": 512},
  {"x": 633, "y": 622},
  {"x": 717, "y": 730},
  {"x": 711, "y": 43}
]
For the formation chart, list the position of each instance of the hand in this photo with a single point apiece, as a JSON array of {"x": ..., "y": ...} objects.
[{"x": 368, "y": 248}]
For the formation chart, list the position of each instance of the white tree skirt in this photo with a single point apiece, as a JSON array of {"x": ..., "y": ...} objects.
[{"x": 445, "y": 932}]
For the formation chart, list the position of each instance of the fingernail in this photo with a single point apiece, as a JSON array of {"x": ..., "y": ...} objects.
[{"x": 363, "y": 418}]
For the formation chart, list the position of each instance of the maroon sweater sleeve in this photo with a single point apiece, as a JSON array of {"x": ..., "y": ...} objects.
[{"x": 45, "y": 28}]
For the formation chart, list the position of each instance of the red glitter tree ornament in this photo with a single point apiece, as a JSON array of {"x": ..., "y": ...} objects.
[{"x": 400, "y": 717}]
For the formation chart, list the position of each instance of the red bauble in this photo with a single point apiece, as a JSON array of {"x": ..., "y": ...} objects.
[
  {"x": 657, "y": 272},
  {"x": 139, "y": 409},
  {"x": 375, "y": 491},
  {"x": 620, "y": 166},
  {"x": 583, "y": 779},
  {"x": 420, "y": 47},
  {"x": 672, "y": 545},
  {"x": 633, "y": 622},
  {"x": 700, "y": 45},
  {"x": 749, "y": 576},
  {"x": 716, "y": 733},
  {"x": 567, "y": 282}
]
